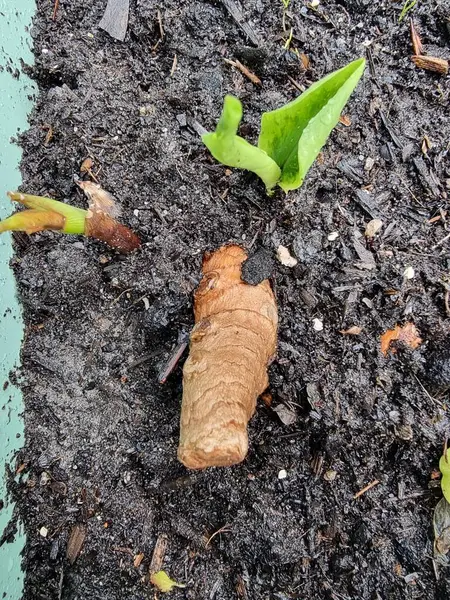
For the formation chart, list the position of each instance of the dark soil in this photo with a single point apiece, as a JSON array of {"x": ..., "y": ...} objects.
[{"x": 101, "y": 432}]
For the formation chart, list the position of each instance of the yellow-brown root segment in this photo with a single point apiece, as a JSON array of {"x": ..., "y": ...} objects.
[{"x": 233, "y": 340}]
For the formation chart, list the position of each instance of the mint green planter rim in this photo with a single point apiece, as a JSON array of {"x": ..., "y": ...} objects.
[{"x": 15, "y": 105}]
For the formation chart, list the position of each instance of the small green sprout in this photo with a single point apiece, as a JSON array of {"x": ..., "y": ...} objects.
[
  {"x": 407, "y": 6},
  {"x": 291, "y": 137},
  {"x": 444, "y": 467},
  {"x": 97, "y": 222}
]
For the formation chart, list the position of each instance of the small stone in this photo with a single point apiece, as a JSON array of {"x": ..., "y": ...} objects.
[
  {"x": 43, "y": 531},
  {"x": 373, "y": 227},
  {"x": 282, "y": 474},
  {"x": 404, "y": 432},
  {"x": 333, "y": 236},
  {"x": 317, "y": 325},
  {"x": 409, "y": 273},
  {"x": 45, "y": 478},
  {"x": 369, "y": 164},
  {"x": 330, "y": 475},
  {"x": 285, "y": 257}
]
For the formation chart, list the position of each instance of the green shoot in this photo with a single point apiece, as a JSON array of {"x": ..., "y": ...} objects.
[
  {"x": 233, "y": 151},
  {"x": 287, "y": 43},
  {"x": 47, "y": 214},
  {"x": 407, "y": 6},
  {"x": 291, "y": 137},
  {"x": 286, "y": 3},
  {"x": 444, "y": 467}
]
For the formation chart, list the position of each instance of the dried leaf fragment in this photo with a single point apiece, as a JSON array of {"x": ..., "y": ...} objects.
[
  {"x": 441, "y": 526},
  {"x": 415, "y": 39},
  {"x": 407, "y": 334},
  {"x": 76, "y": 541},
  {"x": 354, "y": 330},
  {"x": 431, "y": 63},
  {"x": 163, "y": 582}
]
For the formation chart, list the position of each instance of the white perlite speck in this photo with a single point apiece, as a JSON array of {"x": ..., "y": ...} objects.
[
  {"x": 285, "y": 258},
  {"x": 282, "y": 474},
  {"x": 409, "y": 273},
  {"x": 317, "y": 325}
]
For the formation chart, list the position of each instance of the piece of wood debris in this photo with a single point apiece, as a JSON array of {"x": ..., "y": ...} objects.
[
  {"x": 138, "y": 559},
  {"x": 345, "y": 120},
  {"x": 415, "y": 39},
  {"x": 75, "y": 542},
  {"x": 431, "y": 63},
  {"x": 354, "y": 330},
  {"x": 174, "y": 65},
  {"x": 55, "y": 10},
  {"x": 115, "y": 19},
  {"x": 244, "y": 70},
  {"x": 237, "y": 15},
  {"x": 366, "y": 489},
  {"x": 407, "y": 334},
  {"x": 158, "y": 554}
]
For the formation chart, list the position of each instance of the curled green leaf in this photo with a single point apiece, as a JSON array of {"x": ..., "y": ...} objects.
[
  {"x": 294, "y": 134},
  {"x": 291, "y": 136},
  {"x": 233, "y": 151}
]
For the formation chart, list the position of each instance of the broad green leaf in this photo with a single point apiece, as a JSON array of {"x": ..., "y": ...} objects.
[
  {"x": 163, "y": 582},
  {"x": 233, "y": 151},
  {"x": 444, "y": 467},
  {"x": 294, "y": 134}
]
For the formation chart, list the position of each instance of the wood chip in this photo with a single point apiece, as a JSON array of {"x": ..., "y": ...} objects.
[
  {"x": 431, "y": 63},
  {"x": 354, "y": 330},
  {"x": 416, "y": 41},
  {"x": 237, "y": 15},
  {"x": 138, "y": 559},
  {"x": 76, "y": 541},
  {"x": 174, "y": 65},
  {"x": 115, "y": 19},
  {"x": 243, "y": 69},
  {"x": 304, "y": 60},
  {"x": 345, "y": 120},
  {"x": 366, "y": 489},
  {"x": 158, "y": 554},
  {"x": 406, "y": 334}
]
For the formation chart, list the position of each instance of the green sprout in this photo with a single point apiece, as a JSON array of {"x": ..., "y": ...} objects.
[
  {"x": 47, "y": 214},
  {"x": 291, "y": 137},
  {"x": 407, "y": 6},
  {"x": 444, "y": 467}
]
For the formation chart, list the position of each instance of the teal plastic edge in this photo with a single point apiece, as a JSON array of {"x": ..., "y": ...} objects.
[{"x": 15, "y": 105}]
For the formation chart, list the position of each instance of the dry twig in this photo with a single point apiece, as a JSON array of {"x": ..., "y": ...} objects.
[
  {"x": 366, "y": 489},
  {"x": 243, "y": 69}
]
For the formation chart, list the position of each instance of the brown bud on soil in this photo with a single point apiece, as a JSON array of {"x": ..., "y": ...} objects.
[
  {"x": 102, "y": 227},
  {"x": 233, "y": 341}
]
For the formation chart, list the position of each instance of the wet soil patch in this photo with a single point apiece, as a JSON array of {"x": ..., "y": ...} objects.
[{"x": 101, "y": 432}]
